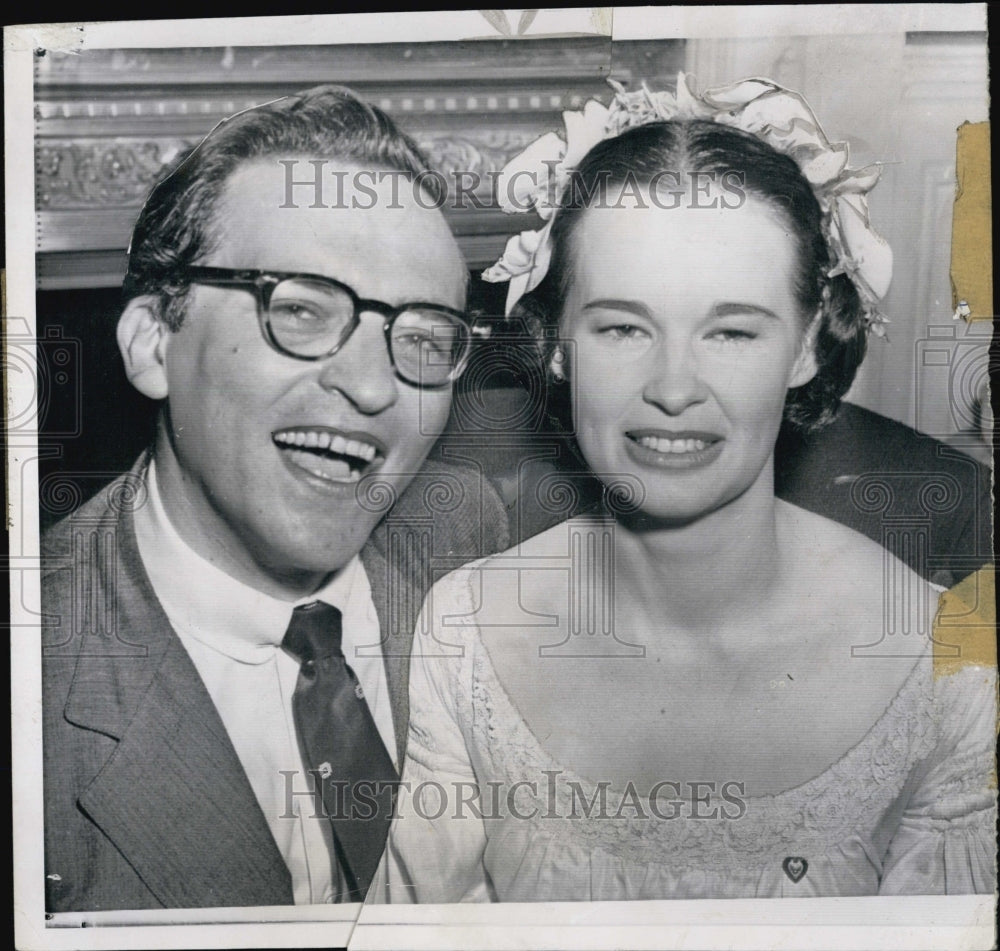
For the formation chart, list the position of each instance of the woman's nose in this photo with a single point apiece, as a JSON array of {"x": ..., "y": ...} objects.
[
  {"x": 674, "y": 381},
  {"x": 362, "y": 369}
]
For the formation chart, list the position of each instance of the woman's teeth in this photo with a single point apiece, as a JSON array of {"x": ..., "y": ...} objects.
[{"x": 659, "y": 444}]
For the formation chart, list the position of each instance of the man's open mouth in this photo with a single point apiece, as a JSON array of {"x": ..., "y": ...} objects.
[{"x": 329, "y": 454}]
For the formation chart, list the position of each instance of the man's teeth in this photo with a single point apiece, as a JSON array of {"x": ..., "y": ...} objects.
[
  {"x": 660, "y": 444},
  {"x": 328, "y": 468},
  {"x": 327, "y": 442}
]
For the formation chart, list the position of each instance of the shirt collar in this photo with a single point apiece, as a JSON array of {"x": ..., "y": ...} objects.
[{"x": 211, "y": 606}]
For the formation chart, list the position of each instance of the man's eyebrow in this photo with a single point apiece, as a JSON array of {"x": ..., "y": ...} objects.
[
  {"x": 728, "y": 308},
  {"x": 613, "y": 303}
]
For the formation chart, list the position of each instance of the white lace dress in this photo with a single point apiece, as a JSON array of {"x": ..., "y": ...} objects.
[{"x": 489, "y": 816}]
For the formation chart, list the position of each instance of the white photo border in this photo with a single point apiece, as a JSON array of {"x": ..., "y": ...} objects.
[{"x": 965, "y": 921}]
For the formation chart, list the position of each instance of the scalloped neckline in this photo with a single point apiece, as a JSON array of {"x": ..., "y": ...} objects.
[{"x": 918, "y": 679}]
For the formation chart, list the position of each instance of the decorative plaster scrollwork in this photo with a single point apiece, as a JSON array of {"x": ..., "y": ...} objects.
[
  {"x": 119, "y": 173},
  {"x": 108, "y": 174}
]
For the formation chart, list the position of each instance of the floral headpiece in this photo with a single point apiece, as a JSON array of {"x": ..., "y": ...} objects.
[{"x": 535, "y": 178}]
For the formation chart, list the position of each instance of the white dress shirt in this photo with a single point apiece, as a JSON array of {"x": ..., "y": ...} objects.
[{"x": 233, "y": 634}]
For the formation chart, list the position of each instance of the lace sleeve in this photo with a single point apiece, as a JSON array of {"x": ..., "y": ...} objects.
[
  {"x": 437, "y": 840},
  {"x": 946, "y": 840}
]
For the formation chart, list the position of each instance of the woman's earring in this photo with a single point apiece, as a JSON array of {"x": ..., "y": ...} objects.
[{"x": 556, "y": 365}]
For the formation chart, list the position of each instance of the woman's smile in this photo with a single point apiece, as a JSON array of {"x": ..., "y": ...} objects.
[
  {"x": 683, "y": 336},
  {"x": 691, "y": 449}
]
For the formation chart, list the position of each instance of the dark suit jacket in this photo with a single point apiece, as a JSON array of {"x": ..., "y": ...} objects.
[{"x": 146, "y": 803}]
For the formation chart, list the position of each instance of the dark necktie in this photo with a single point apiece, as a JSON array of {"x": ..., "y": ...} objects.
[{"x": 341, "y": 744}]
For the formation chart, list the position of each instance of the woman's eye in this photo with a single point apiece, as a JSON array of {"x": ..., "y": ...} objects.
[
  {"x": 623, "y": 332},
  {"x": 733, "y": 335}
]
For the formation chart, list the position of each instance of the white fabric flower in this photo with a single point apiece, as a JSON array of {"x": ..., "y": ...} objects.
[
  {"x": 535, "y": 179},
  {"x": 523, "y": 183}
]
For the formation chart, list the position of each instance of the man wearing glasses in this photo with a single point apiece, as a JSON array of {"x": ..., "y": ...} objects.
[{"x": 225, "y": 671}]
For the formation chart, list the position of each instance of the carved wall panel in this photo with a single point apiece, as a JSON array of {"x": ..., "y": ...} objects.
[{"x": 108, "y": 122}]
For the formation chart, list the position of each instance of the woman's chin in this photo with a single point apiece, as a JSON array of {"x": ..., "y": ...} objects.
[
  {"x": 666, "y": 515},
  {"x": 650, "y": 509}
]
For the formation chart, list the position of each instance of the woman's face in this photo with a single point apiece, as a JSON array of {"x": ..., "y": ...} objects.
[{"x": 683, "y": 335}]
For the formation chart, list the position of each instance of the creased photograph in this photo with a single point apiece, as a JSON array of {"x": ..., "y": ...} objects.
[{"x": 511, "y": 478}]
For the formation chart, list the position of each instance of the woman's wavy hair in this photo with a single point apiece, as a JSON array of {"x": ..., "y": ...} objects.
[
  {"x": 645, "y": 154},
  {"x": 177, "y": 227}
]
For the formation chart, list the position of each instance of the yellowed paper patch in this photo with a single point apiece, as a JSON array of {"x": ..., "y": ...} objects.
[
  {"x": 971, "y": 236},
  {"x": 965, "y": 625}
]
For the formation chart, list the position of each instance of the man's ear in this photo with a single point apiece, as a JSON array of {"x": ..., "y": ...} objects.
[
  {"x": 806, "y": 366},
  {"x": 142, "y": 339}
]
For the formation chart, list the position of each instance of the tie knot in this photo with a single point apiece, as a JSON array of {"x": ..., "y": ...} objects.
[{"x": 314, "y": 631}]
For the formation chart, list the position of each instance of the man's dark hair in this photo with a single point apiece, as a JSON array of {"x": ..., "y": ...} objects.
[{"x": 175, "y": 227}]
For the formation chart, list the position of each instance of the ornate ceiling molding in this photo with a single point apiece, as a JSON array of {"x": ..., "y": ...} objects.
[{"x": 109, "y": 121}]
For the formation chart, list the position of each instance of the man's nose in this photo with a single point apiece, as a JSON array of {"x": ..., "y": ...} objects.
[
  {"x": 362, "y": 369},
  {"x": 673, "y": 379}
]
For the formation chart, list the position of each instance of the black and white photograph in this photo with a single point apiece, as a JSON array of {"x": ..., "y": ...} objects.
[{"x": 614, "y": 565}]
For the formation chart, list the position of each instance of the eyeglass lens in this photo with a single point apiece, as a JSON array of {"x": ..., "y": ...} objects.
[{"x": 309, "y": 318}]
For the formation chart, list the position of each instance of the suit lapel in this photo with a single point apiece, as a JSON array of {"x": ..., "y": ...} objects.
[
  {"x": 176, "y": 803},
  {"x": 173, "y": 797}
]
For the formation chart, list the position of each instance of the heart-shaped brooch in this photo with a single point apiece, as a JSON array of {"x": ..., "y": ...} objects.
[{"x": 795, "y": 867}]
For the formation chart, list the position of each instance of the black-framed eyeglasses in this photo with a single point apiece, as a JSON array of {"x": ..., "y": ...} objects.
[{"x": 310, "y": 317}]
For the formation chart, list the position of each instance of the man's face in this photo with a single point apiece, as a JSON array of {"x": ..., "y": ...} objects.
[{"x": 240, "y": 455}]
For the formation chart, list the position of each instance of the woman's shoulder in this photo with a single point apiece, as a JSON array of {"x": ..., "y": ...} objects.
[
  {"x": 827, "y": 538},
  {"x": 502, "y": 569},
  {"x": 865, "y": 616},
  {"x": 965, "y": 661},
  {"x": 957, "y": 770},
  {"x": 841, "y": 565},
  {"x": 485, "y": 590},
  {"x": 966, "y": 697},
  {"x": 553, "y": 542}
]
